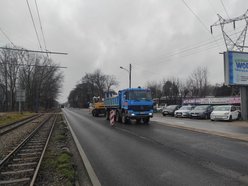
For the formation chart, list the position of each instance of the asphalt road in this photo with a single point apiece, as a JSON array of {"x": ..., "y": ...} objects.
[{"x": 155, "y": 154}]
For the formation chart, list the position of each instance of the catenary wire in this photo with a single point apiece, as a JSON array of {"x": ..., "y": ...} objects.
[
  {"x": 41, "y": 28},
  {"x": 34, "y": 24}
]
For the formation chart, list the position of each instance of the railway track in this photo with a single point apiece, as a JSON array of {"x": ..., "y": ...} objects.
[
  {"x": 7, "y": 128},
  {"x": 20, "y": 166}
]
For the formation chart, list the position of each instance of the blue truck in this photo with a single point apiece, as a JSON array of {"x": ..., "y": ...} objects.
[{"x": 130, "y": 104}]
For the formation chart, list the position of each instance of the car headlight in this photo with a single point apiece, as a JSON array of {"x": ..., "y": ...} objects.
[{"x": 226, "y": 113}]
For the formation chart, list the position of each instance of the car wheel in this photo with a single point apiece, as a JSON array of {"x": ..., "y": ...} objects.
[
  {"x": 164, "y": 114},
  {"x": 206, "y": 116},
  {"x": 230, "y": 118}
]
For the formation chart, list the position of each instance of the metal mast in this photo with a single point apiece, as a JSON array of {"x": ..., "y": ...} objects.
[{"x": 232, "y": 45}]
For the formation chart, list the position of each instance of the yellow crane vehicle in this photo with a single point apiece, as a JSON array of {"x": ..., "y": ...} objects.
[{"x": 97, "y": 107}]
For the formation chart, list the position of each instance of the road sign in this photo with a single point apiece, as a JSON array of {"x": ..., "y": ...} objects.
[{"x": 20, "y": 95}]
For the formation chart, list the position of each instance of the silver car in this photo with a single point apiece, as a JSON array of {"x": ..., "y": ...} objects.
[{"x": 184, "y": 111}]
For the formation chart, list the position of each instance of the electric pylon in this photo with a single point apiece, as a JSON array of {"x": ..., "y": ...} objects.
[{"x": 232, "y": 45}]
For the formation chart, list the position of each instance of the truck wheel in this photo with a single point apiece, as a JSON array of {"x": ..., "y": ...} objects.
[
  {"x": 96, "y": 113},
  {"x": 118, "y": 117},
  {"x": 123, "y": 118},
  {"x": 146, "y": 120},
  {"x": 138, "y": 121},
  {"x": 107, "y": 115}
]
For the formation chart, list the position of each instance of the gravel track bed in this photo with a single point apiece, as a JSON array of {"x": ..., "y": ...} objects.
[{"x": 10, "y": 140}]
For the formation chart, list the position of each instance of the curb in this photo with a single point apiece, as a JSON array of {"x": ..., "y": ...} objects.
[
  {"x": 230, "y": 136},
  {"x": 94, "y": 179}
]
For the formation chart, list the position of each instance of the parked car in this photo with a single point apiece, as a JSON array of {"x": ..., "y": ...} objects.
[
  {"x": 169, "y": 110},
  {"x": 201, "y": 111},
  {"x": 239, "y": 110},
  {"x": 183, "y": 111},
  {"x": 225, "y": 112}
]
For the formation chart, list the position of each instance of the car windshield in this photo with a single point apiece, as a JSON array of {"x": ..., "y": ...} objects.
[
  {"x": 171, "y": 107},
  {"x": 185, "y": 108},
  {"x": 202, "y": 107},
  {"x": 140, "y": 95},
  {"x": 222, "y": 108}
]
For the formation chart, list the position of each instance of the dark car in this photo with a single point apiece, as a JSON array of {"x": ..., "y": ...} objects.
[
  {"x": 169, "y": 110},
  {"x": 201, "y": 111}
]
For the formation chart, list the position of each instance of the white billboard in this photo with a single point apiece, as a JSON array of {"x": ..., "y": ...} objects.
[{"x": 236, "y": 68}]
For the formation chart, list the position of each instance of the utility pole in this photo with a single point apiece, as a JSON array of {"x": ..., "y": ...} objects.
[
  {"x": 130, "y": 70},
  {"x": 130, "y": 73}
]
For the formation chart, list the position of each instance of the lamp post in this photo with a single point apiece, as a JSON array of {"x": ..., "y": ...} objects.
[{"x": 129, "y": 71}]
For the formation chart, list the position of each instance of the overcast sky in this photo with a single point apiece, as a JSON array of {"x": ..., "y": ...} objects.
[{"x": 160, "y": 38}]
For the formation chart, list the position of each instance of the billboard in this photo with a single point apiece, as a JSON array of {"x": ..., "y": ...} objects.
[
  {"x": 213, "y": 100},
  {"x": 236, "y": 68}
]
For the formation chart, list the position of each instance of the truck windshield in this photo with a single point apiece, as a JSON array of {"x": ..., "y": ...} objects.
[{"x": 139, "y": 95}]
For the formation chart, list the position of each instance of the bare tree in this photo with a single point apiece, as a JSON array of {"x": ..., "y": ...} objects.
[
  {"x": 41, "y": 79},
  {"x": 110, "y": 81},
  {"x": 10, "y": 64},
  {"x": 92, "y": 84},
  {"x": 156, "y": 89},
  {"x": 198, "y": 82}
]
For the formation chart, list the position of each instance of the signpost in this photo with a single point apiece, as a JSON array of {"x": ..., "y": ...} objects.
[{"x": 20, "y": 97}]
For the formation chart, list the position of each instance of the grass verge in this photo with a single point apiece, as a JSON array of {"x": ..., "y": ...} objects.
[{"x": 10, "y": 117}]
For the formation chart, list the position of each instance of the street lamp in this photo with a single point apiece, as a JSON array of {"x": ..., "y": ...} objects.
[{"x": 129, "y": 71}]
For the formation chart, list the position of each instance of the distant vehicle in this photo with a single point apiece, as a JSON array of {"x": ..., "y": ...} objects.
[
  {"x": 183, "y": 111},
  {"x": 201, "y": 111},
  {"x": 170, "y": 110},
  {"x": 131, "y": 103},
  {"x": 97, "y": 107},
  {"x": 225, "y": 112}
]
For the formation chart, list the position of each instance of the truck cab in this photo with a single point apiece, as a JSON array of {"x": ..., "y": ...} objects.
[{"x": 135, "y": 103}]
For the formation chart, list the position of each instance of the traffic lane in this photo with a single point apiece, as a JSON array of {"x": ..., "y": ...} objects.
[
  {"x": 221, "y": 126},
  {"x": 206, "y": 149},
  {"x": 120, "y": 157}
]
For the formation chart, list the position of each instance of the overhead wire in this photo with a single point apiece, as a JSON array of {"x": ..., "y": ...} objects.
[
  {"x": 199, "y": 19},
  {"x": 199, "y": 50},
  {"x": 34, "y": 24},
  {"x": 41, "y": 28},
  {"x": 184, "y": 51},
  {"x": 212, "y": 7},
  {"x": 225, "y": 9},
  {"x": 7, "y": 37}
]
